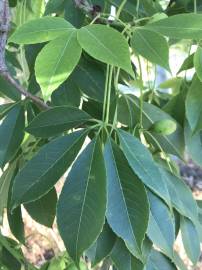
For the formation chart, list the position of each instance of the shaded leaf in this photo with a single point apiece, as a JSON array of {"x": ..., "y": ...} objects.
[
  {"x": 11, "y": 133},
  {"x": 43, "y": 210},
  {"x": 190, "y": 239},
  {"x": 123, "y": 259},
  {"x": 14, "y": 217},
  {"x": 5, "y": 108},
  {"x": 102, "y": 247},
  {"x": 9, "y": 90},
  {"x": 57, "y": 120},
  {"x": 90, "y": 78},
  {"x": 193, "y": 144},
  {"x": 53, "y": 6},
  {"x": 193, "y": 104},
  {"x": 143, "y": 165},
  {"x": 84, "y": 199},
  {"x": 161, "y": 225},
  {"x": 41, "y": 173},
  {"x": 127, "y": 204},
  {"x": 180, "y": 195},
  {"x": 67, "y": 94},
  {"x": 157, "y": 259}
]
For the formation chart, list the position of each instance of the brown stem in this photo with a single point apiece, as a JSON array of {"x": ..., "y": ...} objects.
[{"x": 4, "y": 28}]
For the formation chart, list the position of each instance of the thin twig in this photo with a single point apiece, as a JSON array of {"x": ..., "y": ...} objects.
[
  {"x": 93, "y": 11},
  {"x": 6, "y": 75},
  {"x": 4, "y": 28}
]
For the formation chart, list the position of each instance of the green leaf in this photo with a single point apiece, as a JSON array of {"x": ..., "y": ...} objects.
[
  {"x": 16, "y": 224},
  {"x": 73, "y": 14},
  {"x": 157, "y": 259},
  {"x": 102, "y": 247},
  {"x": 151, "y": 46},
  {"x": 106, "y": 45},
  {"x": 5, "y": 181},
  {"x": 15, "y": 217},
  {"x": 190, "y": 239},
  {"x": 143, "y": 165},
  {"x": 181, "y": 26},
  {"x": 5, "y": 108},
  {"x": 198, "y": 62},
  {"x": 53, "y": 6},
  {"x": 123, "y": 212},
  {"x": 90, "y": 78},
  {"x": 193, "y": 105},
  {"x": 10, "y": 254},
  {"x": 173, "y": 143},
  {"x": 43, "y": 210},
  {"x": 41, "y": 30},
  {"x": 187, "y": 64},
  {"x": 41, "y": 173},
  {"x": 84, "y": 199},
  {"x": 123, "y": 259},
  {"x": 161, "y": 225},
  {"x": 11, "y": 133},
  {"x": 56, "y": 61},
  {"x": 180, "y": 195},
  {"x": 193, "y": 144},
  {"x": 57, "y": 120},
  {"x": 9, "y": 90},
  {"x": 174, "y": 83},
  {"x": 67, "y": 94}
]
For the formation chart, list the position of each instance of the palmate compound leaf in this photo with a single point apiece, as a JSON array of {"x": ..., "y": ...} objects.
[
  {"x": 127, "y": 204},
  {"x": 106, "y": 45},
  {"x": 56, "y": 61},
  {"x": 161, "y": 228},
  {"x": 41, "y": 173},
  {"x": 41, "y": 30},
  {"x": 123, "y": 259},
  {"x": 57, "y": 120},
  {"x": 143, "y": 165},
  {"x": 82, "y": 203}
]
